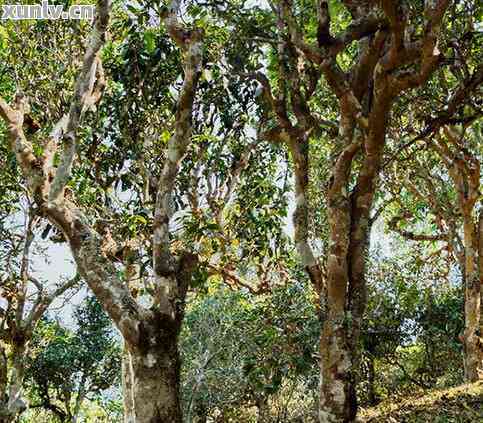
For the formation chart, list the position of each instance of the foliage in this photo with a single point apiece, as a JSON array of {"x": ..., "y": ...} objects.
[
  {"x": 241, "y": 350},
  {"x": 69, "y": 366},
  {"x": 246, "y": 352},
  {"x": 250, "y": 337},
  {"x": 412, "y": 334}
]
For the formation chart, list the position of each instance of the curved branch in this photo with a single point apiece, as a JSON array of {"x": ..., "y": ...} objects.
[{"x": 84, "y": 95}]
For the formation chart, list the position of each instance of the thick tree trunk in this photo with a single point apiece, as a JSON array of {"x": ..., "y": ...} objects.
[
  {"x": 337, "y": 390},
  {"x": 349, "y": 228},
  {"x": 155, "y": 389},
  {"x": 155, "y": 385},
  {"x": 337, "y": 383},
  {"x": 12, "y": 404},
  {"x": 151, "y": 360},
  {"x": 152, "y": 373},
  {"x": 339, "y": 339},
  {"x": 473, "y": 360}
]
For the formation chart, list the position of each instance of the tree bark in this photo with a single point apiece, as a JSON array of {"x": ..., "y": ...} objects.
[
  {"x": 12, "y": 405},
  {"x": 473, "y": 359},
  {"x": 345, "y": 305},
  {"x": 152, "y": 368},
  {"x": 127, "y": 386},
  {"x": 371, "y": 379},
  {"x": 337, "y": 399},
  {"x": 349, "y": 230}
]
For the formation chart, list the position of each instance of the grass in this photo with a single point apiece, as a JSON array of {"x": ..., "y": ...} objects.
[{"x": 461, "y": 404}]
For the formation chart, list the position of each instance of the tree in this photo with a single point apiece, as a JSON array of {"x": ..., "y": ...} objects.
[
  {"x": 151, "y": 334},
  {"x": 131, "y": 255},
  {"x": 464, "y": 170},
  {"x": 448, "y": 150},
  {"x": 458, "y": 228},
  {"x": 25, "y": 295},
  {"x": 27, "y": 299},
  {"x": 388, "y": 59}
]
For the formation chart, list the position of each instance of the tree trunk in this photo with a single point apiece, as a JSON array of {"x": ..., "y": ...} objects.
[
  {"x": 127, "y": 387},
  {"x": 152, "y": 374},
  {"x": 342, "y": 317},
  {"x": 473, "y": 348},
  {"x": 371, "y": 379},
  {"x": 155, "y": 388},
  {"x": 337, "y": 391},
  {"x": 349, "y": 222},
  {"x": 13, "y": 405}
]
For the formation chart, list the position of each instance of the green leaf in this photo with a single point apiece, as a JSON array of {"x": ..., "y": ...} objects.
[
  {"x": 149, "y": 41},
  {"x": 3, "y": 38}
]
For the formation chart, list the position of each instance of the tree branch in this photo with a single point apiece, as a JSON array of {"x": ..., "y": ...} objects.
[
  {"x": 429, "y": 53},
  {"x": 393, "y": 225},
  {"x": 190, "y": 41},
  {"x": 84, "y": 96}
]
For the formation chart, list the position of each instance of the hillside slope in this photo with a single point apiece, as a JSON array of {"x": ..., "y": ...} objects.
[{"x": 461, "y": 404}]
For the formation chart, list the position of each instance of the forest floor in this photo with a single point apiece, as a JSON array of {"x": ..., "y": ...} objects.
[{"x": 461, "y": 404}]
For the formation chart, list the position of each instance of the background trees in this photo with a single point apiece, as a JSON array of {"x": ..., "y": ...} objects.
[
  {"x": 69, "y": 367},
  {"x": 25, "y": 296}
]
